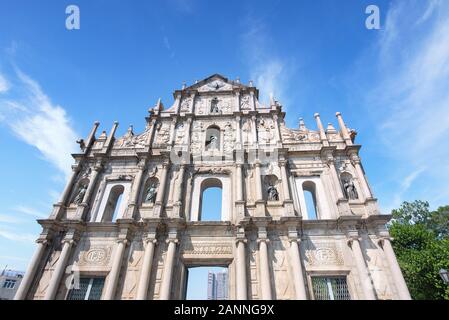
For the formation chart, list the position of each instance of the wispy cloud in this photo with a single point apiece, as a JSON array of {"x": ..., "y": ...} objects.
[
  {"x": 29, "y": 211},
  {"x": 17, "y": 236},
  {"x": 4, "y": 84},
  {"x": 270, "y": 71},
  {"x": 10, "y": 219},
  {"x": 33, "y": 118},
  {"x": 411, "y": 99}
]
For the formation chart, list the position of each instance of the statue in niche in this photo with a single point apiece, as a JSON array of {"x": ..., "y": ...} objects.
[
  {"x": 273, "y": 194},
  {"x": 212, "y": 143},
  {"x": 350, "y": 190},
  {"x": 80, "y": 195},
  {"x": 150, "y": 193},
  {"x": 214, "y": 106}
]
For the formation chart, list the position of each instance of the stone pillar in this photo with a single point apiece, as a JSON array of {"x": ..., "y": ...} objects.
[
  {"x": 331, "y": 163},
  {"x": 145, "y": 273},
  {"x": 288, "y": 202},
  {"x": 401, "y": 286},
  {"x": 323, "y": 136},
  {"x": 254, "y": 138},
  {"x": 82, "y": 208},
  {"x": 237, "y": 101},
  {"x": 30, "y": 274},
  {"x": 178, "y": 192},
  {"x": 344, "y": 130},
  {"x": 298, "y": 278},
  {"x": 115, "y": 269},
  {"x": 57, "y": 208},
  {"x": 265, "y": 277},
  {"x": 168, "y": 269},
  {"x": 276, "y": 129},
  {"x": 238, "y": 182},
  {"x": 355, "y": 160},
  {"x": 65, "y": 195},
  {"x": 365, "y": 280},
  {"x": 258, "y": 177},
  {"x": 238, "y": 141},
  {"x": 132, "y": 207},
  {"x": 172, "y": 132},
  {"x": 241, "y": 279},
  {"x": 56, "y": 276},
  {"x": 161, "y": 191}
]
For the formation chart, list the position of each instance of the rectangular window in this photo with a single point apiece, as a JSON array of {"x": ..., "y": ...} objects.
[
  {"x": 330, "y": 288},
  {"x": 9, "y": 284},
  {"x": 89, "y": 289}
]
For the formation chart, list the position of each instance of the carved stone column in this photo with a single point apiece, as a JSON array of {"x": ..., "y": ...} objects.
[
  {"x": 178, "y": 192},
  {"x": 161, "y": 191},
  {"x": 57, "y": 208},
  {"x": 115, "y": 269},
  {"x": 276, "y": 129},
  {"x": 241, "y": 279},
  {"x": 145, "y": 273},
  {"x": 342, "y": 202},
  {"x": 168, "y": 266},
  {"x": 68, "y": 242},
  {"x": 82, "y": 208},
  {"x": 238, "y": 137},
  {"x": 132, "y": 207},
  {"x": 254, "y": 139},
  {"x": 298, "y": 278},
  {"x": 355, "y": 160},
  {"x": 365, "y": 279},
  {"x": 239, "y": 202},
  {"x": 401, "y": 286},
  {"x": 265, "y": 277},
  {"x": 30, "y": 274},
  {"x": 260, "y": 202},
  {"x": 288, "y": 202}
]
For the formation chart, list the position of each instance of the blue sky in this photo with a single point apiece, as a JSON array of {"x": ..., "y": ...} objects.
[{"x": 315, "y": 56}]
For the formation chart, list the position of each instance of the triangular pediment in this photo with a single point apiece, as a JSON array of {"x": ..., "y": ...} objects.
[{"x": 215, "y": 83}]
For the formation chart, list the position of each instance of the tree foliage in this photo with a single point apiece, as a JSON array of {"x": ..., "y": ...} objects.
[{"x": 421, "y": 244}]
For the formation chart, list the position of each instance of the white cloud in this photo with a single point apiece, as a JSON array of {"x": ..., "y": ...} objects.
[
  {"x": 267, "y": 68},
  {"x": 30, "y": 211},
  {"x": 17, "y": 236},
  {"x": 10, "y": 219},
  {"x": 37, "y": 121},
  {"x": 4, "y": 84},
  {"x": 411, "y": 100}
]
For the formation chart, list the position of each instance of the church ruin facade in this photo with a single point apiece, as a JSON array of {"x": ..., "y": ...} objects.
[{"x": 298, "y": 217}]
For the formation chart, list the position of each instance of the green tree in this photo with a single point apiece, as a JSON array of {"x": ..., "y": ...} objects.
[{"x": 421, "y": 244}]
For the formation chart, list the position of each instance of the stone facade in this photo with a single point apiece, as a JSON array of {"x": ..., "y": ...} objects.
[{"x": 217, "y": 134}]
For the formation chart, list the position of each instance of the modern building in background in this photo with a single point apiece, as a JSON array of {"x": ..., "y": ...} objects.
[
  {"x": 9, "y": 283},
  {"x": 217, "y": 285},
  {"x": 298, "y": 217}
]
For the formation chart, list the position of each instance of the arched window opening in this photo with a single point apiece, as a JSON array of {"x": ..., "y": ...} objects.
[
  {"x": 211, "y": 200},
  {"x": 212, "y": 138},
  {"x": 310, "y": 199},
  {"x": 349, "y": 189},
  {"x": 150, "y": 191},
  {"x": 114, "y": 207}
]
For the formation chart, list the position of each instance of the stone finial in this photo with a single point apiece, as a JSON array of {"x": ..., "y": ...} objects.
[
  {"x": 302, "y": 125},
  {"x": 184, "y": 85},
  {"x": 321, "y": 129},
  {"x": 130, "y": 131},
  {"x": 251, "y": 84},
  {"x": 237, "y": 80},
  {"x": 330, "y": 128},
  {"x": 344, "y": 129}
]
